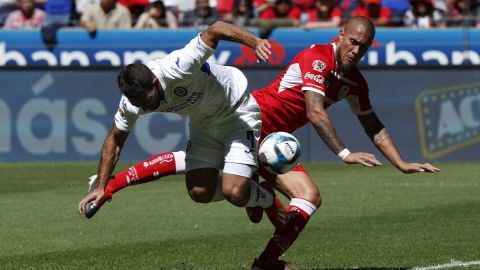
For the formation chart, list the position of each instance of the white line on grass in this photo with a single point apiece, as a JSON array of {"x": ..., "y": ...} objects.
[{"x": 448, "y": 265}]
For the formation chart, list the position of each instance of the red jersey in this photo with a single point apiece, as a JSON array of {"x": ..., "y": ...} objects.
[
  {"x": 293, "y": 13},
  {"x": 313, "y": 15},
  {"x": 314, "y": 69}
]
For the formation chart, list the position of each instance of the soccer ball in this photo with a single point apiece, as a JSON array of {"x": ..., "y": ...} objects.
[{"x": 279, "y": 152}]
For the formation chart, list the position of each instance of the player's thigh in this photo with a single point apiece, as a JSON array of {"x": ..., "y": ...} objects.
[
  {"x": 298, "y": 184},
  {"x": 203, "y": 150}
]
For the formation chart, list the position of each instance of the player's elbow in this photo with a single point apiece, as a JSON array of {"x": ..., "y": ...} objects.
[{"x": 213, "y": 34}]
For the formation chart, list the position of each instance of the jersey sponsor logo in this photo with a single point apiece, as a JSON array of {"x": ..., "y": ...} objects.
[
  {"x": 318, "y": 65},
  {"x": 448, "y": 119},
  {"x": 180, "y": 91},
  {"x": 317, "y": 78},
  {"x": 191, "y": 100}
]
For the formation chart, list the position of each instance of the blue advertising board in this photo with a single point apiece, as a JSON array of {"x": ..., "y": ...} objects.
[
  {"x": 65, "y": 115},
  {"x": 392, "y": 47}
]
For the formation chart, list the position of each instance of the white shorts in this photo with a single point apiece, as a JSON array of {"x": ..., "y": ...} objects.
[{"x": 232, "y": 139}]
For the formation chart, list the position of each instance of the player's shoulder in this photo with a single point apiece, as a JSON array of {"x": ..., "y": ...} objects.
[{"x": 320, "y": 56}]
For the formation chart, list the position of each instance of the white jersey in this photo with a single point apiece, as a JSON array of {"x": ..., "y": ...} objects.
[{"x": 204, "y": 91}]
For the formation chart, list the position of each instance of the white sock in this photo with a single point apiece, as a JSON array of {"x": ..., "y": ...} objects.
[
  {"x": 259, "y": 196},
  {"x": 305, "y": 205}
]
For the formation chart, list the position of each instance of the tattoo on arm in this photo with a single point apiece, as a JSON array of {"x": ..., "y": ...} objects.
[
  {"x": 381, "y": 136},
  {"x": 321, "y": 121}
]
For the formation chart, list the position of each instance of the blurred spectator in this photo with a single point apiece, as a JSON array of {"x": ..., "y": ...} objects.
[
  {"x": 398, "y": 8},
  {"x": 242, "y": 13},
  {"x": 261, "y": 5},
  {"x": 224, "y": 7},
  {"x": 282, "y": 9},
  {"x": 181, "y": 6},
  {"x": 283, "y": 14},
  {"x": 441, "y": 5},
  {"x": 325, "y": 15},
  {"x": 6, "y": 6},
  {"x": 305, "y": 5},
  {"x": 347, "y": 7},
  {"x": 201, "y": 16},
  {"x": 26, "y": 17},
  {"x": 136, "y": 7},
  {"x": 422, "y": 14},
  {"x": 107, "y": 15},
  {"x": 157, "y": 16},
  {"x": 373, "y": 9},
  {"x": 82, "y": 5},
  {"x": 476, "y": 12},
  {"x": 460, "y": 13},
  {"x": 58, "y": 13}
]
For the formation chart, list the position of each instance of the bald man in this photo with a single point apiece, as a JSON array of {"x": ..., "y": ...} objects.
[{"x": 318, "y": 77}]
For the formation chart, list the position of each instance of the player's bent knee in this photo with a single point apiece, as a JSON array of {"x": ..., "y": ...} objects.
[
  {"x": 200, "y": 195},
  {"x": 236, "y": 195}
]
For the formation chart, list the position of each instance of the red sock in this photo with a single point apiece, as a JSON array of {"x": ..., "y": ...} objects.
[
  {"x": 153, "y": 168},
  {"x": 297, "y": 217}
]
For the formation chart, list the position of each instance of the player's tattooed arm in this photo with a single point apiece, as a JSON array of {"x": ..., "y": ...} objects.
[
  {"x": 381, "y": 138},
  {"x": 320, "y": 119}
]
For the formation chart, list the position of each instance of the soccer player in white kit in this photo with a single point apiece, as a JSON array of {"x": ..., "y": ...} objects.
[{"x": 224, "y": 119}]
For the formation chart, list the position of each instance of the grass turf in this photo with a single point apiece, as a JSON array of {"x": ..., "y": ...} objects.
[{"x": 370, "y": 218}]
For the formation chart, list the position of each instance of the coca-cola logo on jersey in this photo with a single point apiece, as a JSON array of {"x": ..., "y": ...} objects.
[{"x": 315, "y": 77}]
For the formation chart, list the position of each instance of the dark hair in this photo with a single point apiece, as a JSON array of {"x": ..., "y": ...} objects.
[
  {"x": 159, "y": 4},
  {"x": 249, "y": 3},
  {"x": 135, "y": 80}
]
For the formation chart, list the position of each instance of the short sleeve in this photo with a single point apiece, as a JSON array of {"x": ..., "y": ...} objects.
[
  {"x": 126, "y": 115},
  {"x": 314, "y": 71},
  {"x": 185, "y": 61}
]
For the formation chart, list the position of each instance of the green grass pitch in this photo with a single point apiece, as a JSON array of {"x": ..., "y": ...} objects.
[{"x": 370, "y": 218}]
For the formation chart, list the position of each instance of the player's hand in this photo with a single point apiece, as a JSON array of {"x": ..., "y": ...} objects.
[
  {"x": 362, "y": 158},
  {"x": 262, "y": 50},
  {"x": 95, "y": 195},
  {"x": 409, "y": 168}
]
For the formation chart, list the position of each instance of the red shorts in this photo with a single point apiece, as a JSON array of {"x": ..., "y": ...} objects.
[{"x": 270, "y": 177}]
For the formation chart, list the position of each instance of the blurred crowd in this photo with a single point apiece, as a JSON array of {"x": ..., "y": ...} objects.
[{"x": 264, "y": 14}]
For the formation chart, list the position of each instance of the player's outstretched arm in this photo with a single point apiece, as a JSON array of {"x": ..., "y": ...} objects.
[
  {"x": 226, "y": 31},
  {"x": 112, "y": 146},
  {"x": 383, "y": 141},
  {"x": 320, "y": 119}
]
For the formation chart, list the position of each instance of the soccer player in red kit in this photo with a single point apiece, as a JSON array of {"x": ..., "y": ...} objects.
[{"x": 316, "y": 78}]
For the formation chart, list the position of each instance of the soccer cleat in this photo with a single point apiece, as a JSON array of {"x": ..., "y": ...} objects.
[
  {"x": 91, "y": 209},
  {"x": 255, "y": 213},
  {"x": 266, "y": 265},
  {"x": 275, "y": 212}
]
